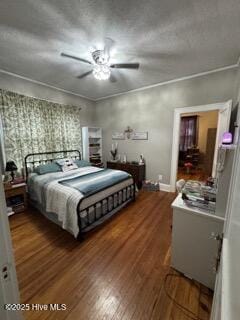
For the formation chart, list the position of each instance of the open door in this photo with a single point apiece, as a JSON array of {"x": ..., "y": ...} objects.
[
  {"x": 224, "y": 109},
  {"x": 224, "y": 116},
  {"x": 9, "y": 294},
  {"x": 226, "y": 304}
]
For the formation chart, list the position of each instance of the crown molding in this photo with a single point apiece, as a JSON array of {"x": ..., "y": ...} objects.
[
  {"x": 44, "y": 84},
  {"x": 124, "y": 92},
  {"x": 170, "y": 81}
]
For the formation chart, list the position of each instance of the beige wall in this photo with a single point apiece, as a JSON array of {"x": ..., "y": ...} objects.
[
  {"x": 18, "y": 85},
  {"x": 146, "y": 110},
  {"x": 238, "y": 85},
  {"x": 206, "y": 120},
  {"x": 236, "y": 100},
  {"x": 152, "y": 110}
]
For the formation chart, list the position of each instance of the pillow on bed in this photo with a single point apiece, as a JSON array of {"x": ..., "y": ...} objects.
[
  {"x": 47, "y": 168},
  {"x": 67, "y": 164},
  {"x": 82, "y": 163}
]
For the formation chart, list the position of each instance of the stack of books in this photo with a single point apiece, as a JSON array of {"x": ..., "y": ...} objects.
[
  {"x": 16, "y": 203},
  {"x": 94, "y": 144},
  {"x": 95, "y": 158}
]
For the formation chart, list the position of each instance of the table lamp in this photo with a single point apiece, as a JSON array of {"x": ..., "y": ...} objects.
[{"x": 11, "y": 167}]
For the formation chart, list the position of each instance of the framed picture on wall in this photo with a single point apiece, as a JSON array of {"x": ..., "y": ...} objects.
[
  {"x": 140, "y": 136},
  {"x": 118, "y": 136}
]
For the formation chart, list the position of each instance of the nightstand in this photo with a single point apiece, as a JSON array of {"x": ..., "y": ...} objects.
[
  {"x": 136, "y": 170},
  {"x": 16, "y": 196}
]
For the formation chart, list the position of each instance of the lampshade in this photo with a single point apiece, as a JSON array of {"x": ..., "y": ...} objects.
[{"x": 11, "y": 166}]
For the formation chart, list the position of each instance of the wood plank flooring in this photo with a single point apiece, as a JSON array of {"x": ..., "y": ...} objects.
[
  {"x": 117, "y": 273},
  {"x": 195, "y": 174}
]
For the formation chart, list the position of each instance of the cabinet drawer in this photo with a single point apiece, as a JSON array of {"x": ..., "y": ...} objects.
[
  {"x": 14, "y": 192},
  {"x": 193, "y": 248}
]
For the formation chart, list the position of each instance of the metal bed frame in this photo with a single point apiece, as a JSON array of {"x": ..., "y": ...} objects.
[{"x": 35, "y": 159}]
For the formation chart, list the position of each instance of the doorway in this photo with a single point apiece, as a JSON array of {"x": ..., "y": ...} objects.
[
  {"x": 197, "y": 141},
  {"x": 224, "y": 113}
]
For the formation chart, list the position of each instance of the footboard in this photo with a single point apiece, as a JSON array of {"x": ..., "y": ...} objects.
[{"x": 100, "y": 211}]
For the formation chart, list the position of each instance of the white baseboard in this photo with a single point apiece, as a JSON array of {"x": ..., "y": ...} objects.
[{"x": 165, "y": 187}]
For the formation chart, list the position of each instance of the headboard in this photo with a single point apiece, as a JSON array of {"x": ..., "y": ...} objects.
[{"x": 34, "y": 159}]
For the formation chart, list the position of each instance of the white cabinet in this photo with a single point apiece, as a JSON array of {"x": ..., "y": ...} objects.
[
  {"x": 194, "y": 248},
  {"x": 92, "y": 145}
]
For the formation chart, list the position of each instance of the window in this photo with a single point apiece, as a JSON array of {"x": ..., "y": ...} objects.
[{"x": 188, "y": 133}]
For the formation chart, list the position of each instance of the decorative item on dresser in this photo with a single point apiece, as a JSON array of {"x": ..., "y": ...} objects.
[
  {"x": 135, "y": 169},
  {"x": 114, "y": 151},
  {"x": 92, "y": 145},
  {"x": 16, "y": 197}
]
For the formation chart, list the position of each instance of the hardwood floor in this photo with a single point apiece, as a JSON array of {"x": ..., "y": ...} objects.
[
  {"x": 116, "y": 273},
  {"x": 195, "y": 174}
]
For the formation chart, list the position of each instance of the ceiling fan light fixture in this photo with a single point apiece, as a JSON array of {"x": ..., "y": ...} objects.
[{"x": 101, "y": 72}]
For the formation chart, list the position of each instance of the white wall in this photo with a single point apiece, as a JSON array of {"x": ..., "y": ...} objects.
[{"x": 152, "y": 110}]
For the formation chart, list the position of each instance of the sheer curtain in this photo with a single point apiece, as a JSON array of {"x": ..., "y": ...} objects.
[
  {"x": 188, "y": 133},
  {"x": 32, "y": 125}
]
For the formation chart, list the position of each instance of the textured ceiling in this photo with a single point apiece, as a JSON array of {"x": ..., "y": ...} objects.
[{"x": 170, "y": 39}]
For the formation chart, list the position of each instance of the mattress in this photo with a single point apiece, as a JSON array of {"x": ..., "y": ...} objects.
[{"x": 59, "y": 202}]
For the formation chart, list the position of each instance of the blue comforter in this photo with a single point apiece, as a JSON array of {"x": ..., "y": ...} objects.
[{"x": 92, "y": 183}]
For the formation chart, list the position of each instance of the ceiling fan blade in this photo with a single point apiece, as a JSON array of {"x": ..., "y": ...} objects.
[
  {"x": 125, "y": 65},
  {"x": 85, "y": 74},
  {"x": 76, "y": 58},
  {"x": 112, "y": 78}
]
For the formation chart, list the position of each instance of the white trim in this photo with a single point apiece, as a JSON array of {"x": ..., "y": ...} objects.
[
  {"x": 44, "y": 84},
  {"x": 226, "y": 312},
  {"x": 164, "y": 187},
  {"x": 232, "y": 66},
  {"x": 9, "y": 292},
  {"x": 170, "y": 81},
  {"x": 176, "y": 129},
  {"x": 222, "y": 113}
]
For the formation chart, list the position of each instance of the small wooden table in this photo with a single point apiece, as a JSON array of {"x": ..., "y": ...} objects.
[
  {"x": 136, "y": 170},
  {"x": 16, "y": 196}
]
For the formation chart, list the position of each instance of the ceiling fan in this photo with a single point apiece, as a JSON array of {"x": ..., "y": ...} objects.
[{"x": 101, "y": 67}]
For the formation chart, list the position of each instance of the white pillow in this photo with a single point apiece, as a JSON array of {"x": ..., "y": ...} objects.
[{"x": 66, "y": 164}]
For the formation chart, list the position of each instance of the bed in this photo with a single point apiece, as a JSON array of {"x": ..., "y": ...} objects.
[{"x": 80, "y": 199}]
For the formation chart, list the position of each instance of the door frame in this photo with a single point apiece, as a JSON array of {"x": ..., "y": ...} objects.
[
  {"x": 9, "y": 291},
  {"x": 221, "y": 106}
]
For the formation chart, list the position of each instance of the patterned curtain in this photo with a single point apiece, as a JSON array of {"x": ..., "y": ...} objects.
[
  {"x": 188, "y": 133},
  {"x": 32, "y": 125}
]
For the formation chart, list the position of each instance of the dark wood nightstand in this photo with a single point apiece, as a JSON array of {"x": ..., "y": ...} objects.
[
  {"x": 136, "y": 170},
  {"x": 16, "y": 196}
]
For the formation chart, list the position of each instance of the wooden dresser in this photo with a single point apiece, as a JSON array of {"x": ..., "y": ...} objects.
[
  {"x": 16, "y": 196},
  {"x": 136, "y": 170}
]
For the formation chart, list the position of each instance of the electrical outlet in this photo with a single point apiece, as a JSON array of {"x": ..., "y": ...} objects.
[{"x": 160, "y": 177}]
